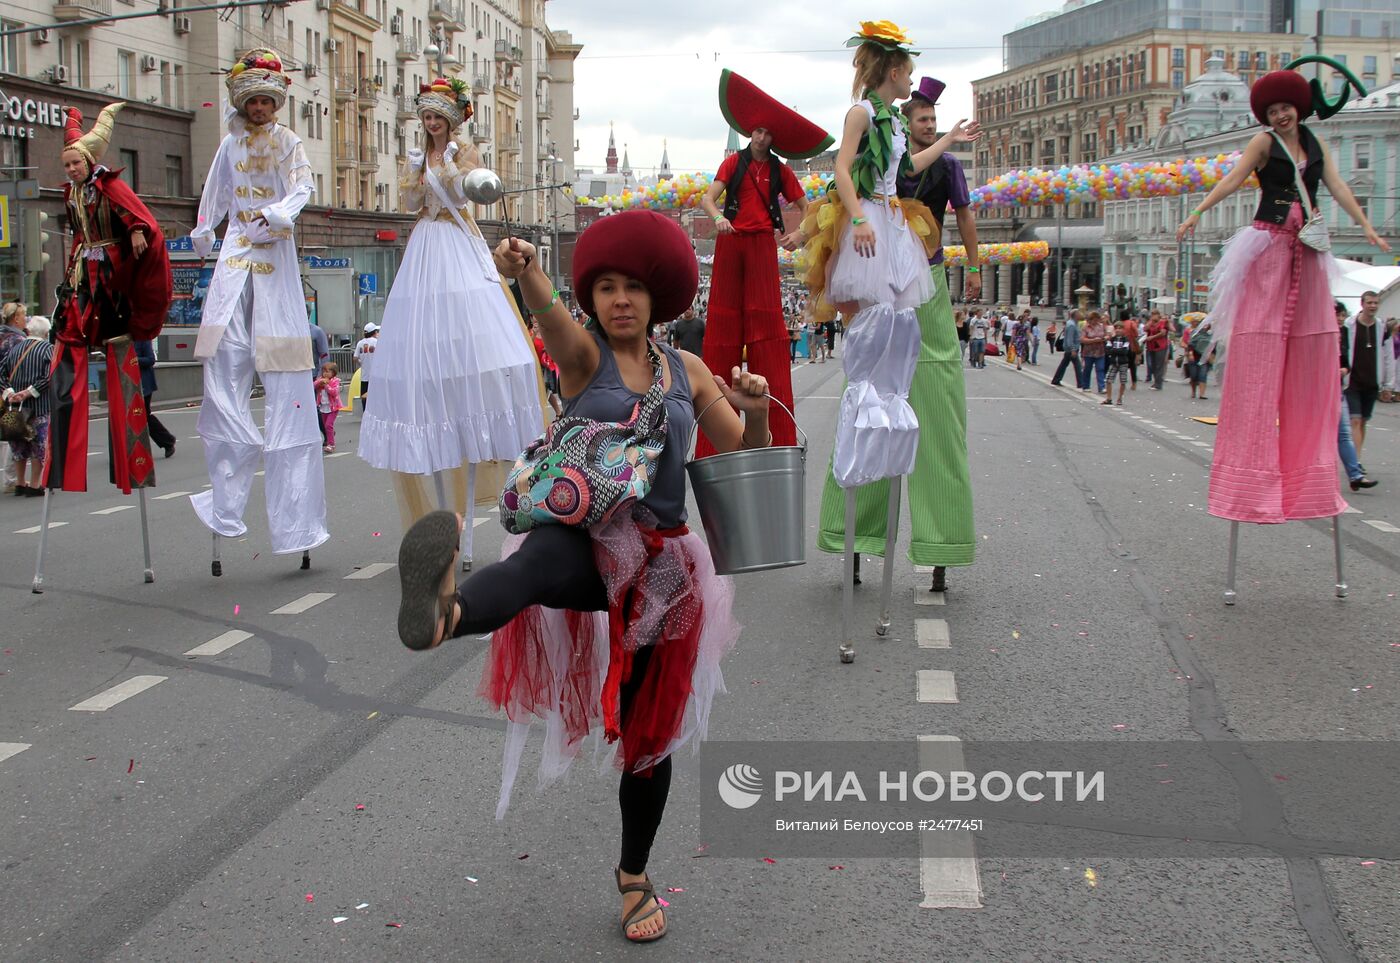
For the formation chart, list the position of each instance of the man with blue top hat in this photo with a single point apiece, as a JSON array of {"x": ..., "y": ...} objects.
[{"x": 940, "y": 490}]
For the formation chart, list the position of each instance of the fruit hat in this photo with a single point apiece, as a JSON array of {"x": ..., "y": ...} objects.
[
  {"x": 745, "y": 107},
  {"x": 1323, "y": 107},
  {"x": 93, "y": 144},
  {"x": 644, "y": 245},
  {"x": 1280, "y": 87},
  {"x": 446, "y": 97},
  {"x": 257, "y": 74}
]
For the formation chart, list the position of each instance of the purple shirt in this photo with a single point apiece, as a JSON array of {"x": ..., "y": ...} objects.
[{"x": 942, "y": 185}]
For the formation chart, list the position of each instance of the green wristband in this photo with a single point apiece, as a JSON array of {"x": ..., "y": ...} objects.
[
  {"x": 545, "y": 310},
  {"x": 857, "y": 221},
  {"x": 973, "y": 270},
  {"x": 1197, "y": 212}
]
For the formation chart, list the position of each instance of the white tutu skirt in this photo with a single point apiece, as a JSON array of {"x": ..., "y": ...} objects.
[
  {"x": 896, "y": 274},
  {"x": 455, "y": 379},
  {"x": 877, "y": 432}
]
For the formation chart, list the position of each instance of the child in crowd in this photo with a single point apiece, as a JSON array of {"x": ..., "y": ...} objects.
[
  {"x": 328, "y": 402},
  {"x": 1118, "y": 351}
]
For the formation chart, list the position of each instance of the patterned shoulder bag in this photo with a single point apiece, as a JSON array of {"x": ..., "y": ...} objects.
[{"x": 581, "y": 472}]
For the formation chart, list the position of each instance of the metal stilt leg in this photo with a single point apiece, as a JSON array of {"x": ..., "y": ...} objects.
[
  {"x": 882, "y": 627},
  {"x": 441, "y": 487},
  {"x": 1230, "y": 565},
  {"x": 38, "y": 586},
  {"x": 150, "y": 574},
  {"x": 305, "y": 560},
  {"x": 1337, "y": 545},
  {"x": 216, "y": 567},
  {"x": 848, "y": 591},
  {"x": 470, "y": 526}
]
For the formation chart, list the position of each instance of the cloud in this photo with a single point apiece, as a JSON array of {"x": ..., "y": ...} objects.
[{"x": 653, "y": 72}]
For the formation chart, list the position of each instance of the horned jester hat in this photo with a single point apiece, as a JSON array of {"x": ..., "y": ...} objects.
[{"x": 93, "y": 144}]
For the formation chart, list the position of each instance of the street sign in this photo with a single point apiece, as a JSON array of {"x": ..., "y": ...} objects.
[
  {"x": 1180, "y": 284},
  {"x": 4, "y": 220},
  {"x": 369, "y": 283}
]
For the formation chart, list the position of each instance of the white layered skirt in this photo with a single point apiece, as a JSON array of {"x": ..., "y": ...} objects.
[{"x": 455, "y": 380}]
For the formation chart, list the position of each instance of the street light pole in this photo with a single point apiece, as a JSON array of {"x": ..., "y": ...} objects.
[
  {"x": 554, "y": 213},
  {"x": 1059, "y": 262}
]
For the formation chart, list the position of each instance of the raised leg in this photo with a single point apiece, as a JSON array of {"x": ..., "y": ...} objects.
[
  {"x": 1230, "y": 565},
  {"x": 38, "y": 587},
  {"x": 216, "y": 567},
  {"x": 882, "y": 627},
  {"x": 470, "y": 526},
  {"x": 150, "y": 574},
  {"x": 848, "y": 590},
  {"x": 1337, "y": 548}
]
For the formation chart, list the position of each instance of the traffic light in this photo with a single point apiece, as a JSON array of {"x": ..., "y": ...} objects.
[{"x": 35, "y": 257}]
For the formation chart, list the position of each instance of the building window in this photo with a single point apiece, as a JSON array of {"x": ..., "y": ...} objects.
[
  {"x": 127, "y": 161},
  {"x": 1363, "y": 155},
  {"x": 1261, "y": 60},
  {"x": 1178, "y": 57},
  {"x": 179, "y": 101},
  {"x": 1285, "y": 57},
  {"x": 1178, "y": 79},
  {"x": 174, "y": 175},
  {"x": 1219, "y": 55},
  {"x": 9, "y": 48},
  {"x": 1368, "y": 69},
  {"x": 1242, "y": 60},
  {"x": 126, "y": 68}
]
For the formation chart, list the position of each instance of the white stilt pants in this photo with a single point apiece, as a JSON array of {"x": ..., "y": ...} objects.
[{"x": 295, "y": 489}]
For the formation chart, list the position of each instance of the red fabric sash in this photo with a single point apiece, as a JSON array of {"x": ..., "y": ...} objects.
[{"x": 132, "y": 464}]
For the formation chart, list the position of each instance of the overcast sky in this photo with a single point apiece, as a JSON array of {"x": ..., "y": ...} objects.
[{"x": 653, "y": 69}]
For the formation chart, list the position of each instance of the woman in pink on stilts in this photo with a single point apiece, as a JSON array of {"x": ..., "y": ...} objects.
[{"x": 1270, "y": 308}]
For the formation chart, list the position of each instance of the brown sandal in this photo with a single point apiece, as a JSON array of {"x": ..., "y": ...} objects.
[
  {"x": 639, "y": 914},
  {"x": 426, "y": 555}
]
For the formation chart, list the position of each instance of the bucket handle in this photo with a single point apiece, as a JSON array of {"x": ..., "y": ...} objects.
[{"x": 694, "y": 432}]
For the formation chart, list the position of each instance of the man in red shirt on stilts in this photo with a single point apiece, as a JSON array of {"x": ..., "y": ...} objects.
[{"x": 745, "y": 317}]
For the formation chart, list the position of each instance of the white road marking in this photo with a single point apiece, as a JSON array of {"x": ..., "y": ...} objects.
[
  {"x": 221, "y": 643},
  {"x": 370, "y": 571},
  {"x": 1381, "y": 526},
  {"x": 118, "y": 693},
  {"x": 169, "y": 495},
  {"x": 34, "y": 529},
  {"x": 923, "y": 596},
  {"x": 113, "y": 510},
  {"x": 1201, "y": 444},
  {"x": 91, "y": 453},
  {"x": 949, "y": 880},
  {"x": 479, "y": 521},
  {"x": 932, "y": 634},
  {"x": 8, "y": 749},
  {"x": 298, "y": 606},
  {"x": 338, "y": 454},
  {"x": 936, "y": 685},
  {"x": 259, "y": 474},
  {"x": 924, "y": 569},
  {"x": 1351, "y": 511}
]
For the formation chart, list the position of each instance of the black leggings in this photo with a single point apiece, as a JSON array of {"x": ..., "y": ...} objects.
[{"x": 554, "y": 567}]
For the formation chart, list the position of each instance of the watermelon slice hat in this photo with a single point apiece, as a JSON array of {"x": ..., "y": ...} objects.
[{"x": 745, "y": 108}]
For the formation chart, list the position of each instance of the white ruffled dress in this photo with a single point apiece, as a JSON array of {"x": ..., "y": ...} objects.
[
  {"x": 877, "y": 431},
  {"x": 455, "y": 377}
]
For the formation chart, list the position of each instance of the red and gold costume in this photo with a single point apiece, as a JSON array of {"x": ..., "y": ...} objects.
[{"x": 112, "y": 299}]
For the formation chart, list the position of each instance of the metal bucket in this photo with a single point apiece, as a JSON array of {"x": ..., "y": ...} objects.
[{"x": 752, "y": 505}]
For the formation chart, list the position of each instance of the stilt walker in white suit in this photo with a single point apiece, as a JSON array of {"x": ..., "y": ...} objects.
[{"x": 255, "y": 319}]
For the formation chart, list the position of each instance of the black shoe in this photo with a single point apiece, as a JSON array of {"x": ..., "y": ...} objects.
[
  {"x": 940, "y": 580},
  {"x": 169, "y": 449},
  {"x": 1363, "y": 482},
  {"x": 855, "y": 572},
  {"x": 38, "y": 492}
]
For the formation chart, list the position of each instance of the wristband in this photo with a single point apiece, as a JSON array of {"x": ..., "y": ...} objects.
[
  {"x": 1197, "y": 212},
  {"x": 717, "y": 218},
  {"x": 858, "y": 221},
  {"x": 545, "y": 310},
  {"x": 972, "y": 269}
]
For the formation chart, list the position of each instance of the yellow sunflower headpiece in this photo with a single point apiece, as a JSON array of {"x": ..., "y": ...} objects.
[{"x": 883, "y": 33}]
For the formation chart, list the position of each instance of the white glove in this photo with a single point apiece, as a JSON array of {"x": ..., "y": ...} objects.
[
  {"x": 450, "y": 152},
  {"x": 415, "y": 158},
  {"x": 258, "y": 232},
  {"x": 8, "y": 394}
]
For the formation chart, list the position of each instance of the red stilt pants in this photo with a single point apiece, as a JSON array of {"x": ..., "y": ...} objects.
[{"x": 746, "y": 317}]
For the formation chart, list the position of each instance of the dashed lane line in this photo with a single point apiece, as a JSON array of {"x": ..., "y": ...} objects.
[
  {"x": 118, "y": 694},
  {"x": 923, "y": 596},
  {"x": 8, "y": 749},
  {"x": 1201, "y": 444},
  {"x": 309, "y": 600},
  {"x": 34, "y": 529},
  {"x": 1349, "y": 510},
  {"x": 221, "y": 643},
  {"x": 169, "y": 495},
  {"x": 370, "y": 571},
  {"x": 338, "y": 454},
  {"x": 113, "y": 510},
  {"x": 1380, "y": 526},
  {"x": 949, "y": 879},
  {"x": 479, "y": 521},
  {"x": 932, "y": 634},
  {"x": 936, "y": 686}
]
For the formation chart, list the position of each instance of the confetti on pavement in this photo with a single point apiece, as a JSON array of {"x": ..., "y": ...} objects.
[{"x": 1091, "y": 877}]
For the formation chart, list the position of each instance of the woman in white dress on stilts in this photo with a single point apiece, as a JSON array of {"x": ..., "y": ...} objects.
[{"x": 455, "y": 379}]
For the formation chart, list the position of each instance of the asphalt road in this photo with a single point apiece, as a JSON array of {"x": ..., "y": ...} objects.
[{"x": 216, "y": 814}]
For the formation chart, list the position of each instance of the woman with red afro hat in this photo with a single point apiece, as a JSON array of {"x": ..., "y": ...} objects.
[
  {"x": 621, "y": 626},
  {"x": 1270, "y": 308}
]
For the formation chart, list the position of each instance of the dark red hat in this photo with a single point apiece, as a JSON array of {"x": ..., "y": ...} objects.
[
  {"x": 745, "y": 107},
  {"x": 644, "y": 245},
  {"x": 1280, "y": 87}
]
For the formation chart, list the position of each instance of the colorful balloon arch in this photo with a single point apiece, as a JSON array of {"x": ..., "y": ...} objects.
[{"x": 1018, "y": 188}]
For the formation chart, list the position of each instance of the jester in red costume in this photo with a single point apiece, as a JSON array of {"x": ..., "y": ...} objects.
[
  {"x": 745, "y": 318},
  {"x": 116, "y": 291}
]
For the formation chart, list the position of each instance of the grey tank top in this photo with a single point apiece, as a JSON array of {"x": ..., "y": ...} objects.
[{"x": 607, "y": 398}]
